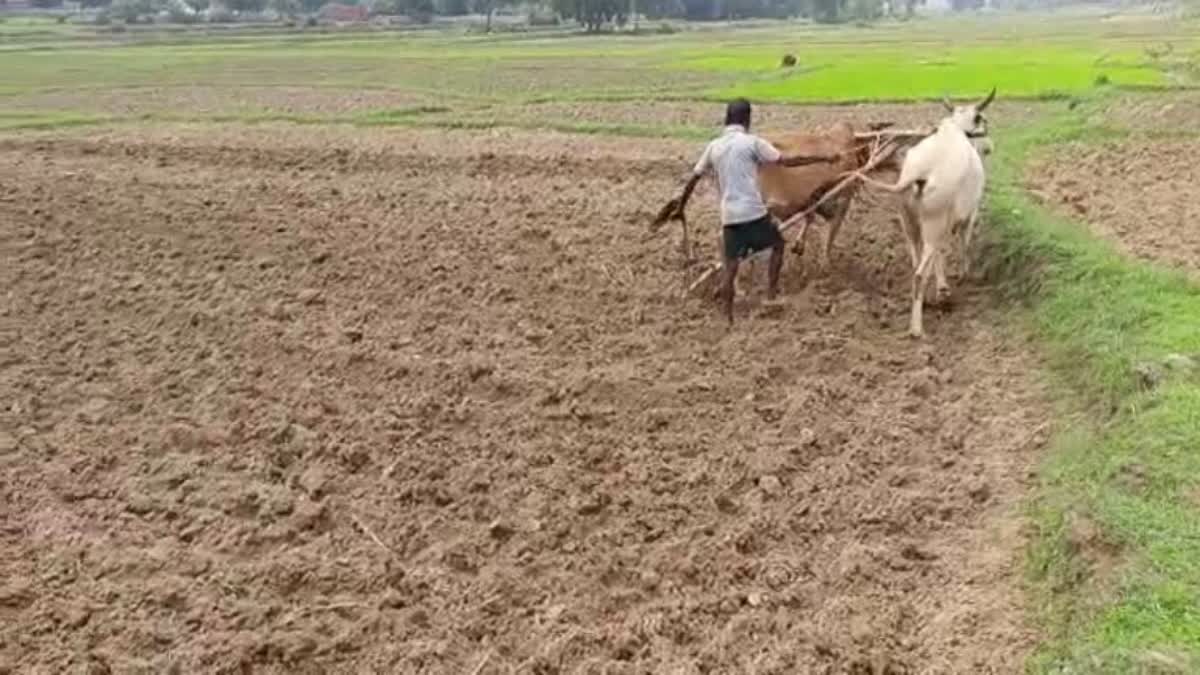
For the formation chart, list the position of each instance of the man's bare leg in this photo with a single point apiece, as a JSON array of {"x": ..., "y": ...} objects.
[{"x": 730, "y": 270}]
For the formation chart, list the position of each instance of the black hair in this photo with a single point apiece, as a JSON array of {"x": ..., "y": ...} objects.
[{"x": 738, "y": 112}]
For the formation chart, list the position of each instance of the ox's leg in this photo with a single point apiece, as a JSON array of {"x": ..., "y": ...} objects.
[
  {"x": 911, "y": 227},
  {"x": 920, "y": 281},
  {"x": 939, "y": 273},
  {"x": 837, "y": 217},
  {"x": 798, "y": 244},
  {"x": 968, "y": 237},
  {"x": 775, "y": 265}
]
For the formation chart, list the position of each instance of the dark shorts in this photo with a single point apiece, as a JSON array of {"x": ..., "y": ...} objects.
[{"x": 743, "y": 239}]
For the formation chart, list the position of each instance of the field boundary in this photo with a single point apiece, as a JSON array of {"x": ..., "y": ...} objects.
[{"x": 1115, "y": 510}]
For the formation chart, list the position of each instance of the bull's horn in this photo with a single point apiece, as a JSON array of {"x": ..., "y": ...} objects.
[
  {"x": 947, "y": 104},
  {"x": 987, "y": 101}
]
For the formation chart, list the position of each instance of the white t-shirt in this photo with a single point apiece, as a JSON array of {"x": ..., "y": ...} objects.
[{"x": 735, "y": 156}]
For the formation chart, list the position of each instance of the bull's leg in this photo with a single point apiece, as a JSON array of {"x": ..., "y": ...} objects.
[
  {"x": 968, "y": 237},
  {"x": 911, "y": 226},
  {"x": 798, "y": 245},
  {"x": 837, "y": 217},
  {"x": 776, "y": 264},
  {"x": 920, "y": 280},
  {"x": 939, "y": 273}
]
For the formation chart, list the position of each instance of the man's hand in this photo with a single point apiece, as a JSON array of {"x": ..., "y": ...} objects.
[{"x": 672, "y": 210}]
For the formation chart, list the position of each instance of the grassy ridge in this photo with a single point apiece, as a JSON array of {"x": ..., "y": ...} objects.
[{"x": 1117, "y": 511}]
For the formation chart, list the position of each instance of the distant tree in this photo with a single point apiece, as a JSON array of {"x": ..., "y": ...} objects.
[
  {"x": 452, "y": 7},
  {"x": 47, "y": 4},
  {"x": 198, "y": 5},
  {"x": 289, "y": 8},
  {"x": 828, "y": 11},
  {"x": 864, "y": 11},
  {"x": 593, "y": 15},
  {"x": 661, "y": 9},
  {"x": 130, "y": 11},
  {"x": 245, "y": 5},
  {"x": 488, "y": 8},
  {"x": 419, "y": 10},
  {"x": 963, "y": 5},
  {"x": 177, "y": 11}
]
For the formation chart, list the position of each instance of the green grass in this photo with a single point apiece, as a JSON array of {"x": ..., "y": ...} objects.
[
  {"x": 17, "y": 26},
  {"x": 1020, "y": 71},
  {"x": 1128, "y": 597},
  {"x": 1024, "y": 57},
  {"x": 16, "y": 121}
]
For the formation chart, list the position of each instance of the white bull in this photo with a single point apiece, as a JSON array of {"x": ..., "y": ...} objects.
[{"x": 942, "y": 181}]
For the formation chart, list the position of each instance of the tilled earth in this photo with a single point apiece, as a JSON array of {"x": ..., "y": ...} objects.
[
  {"x": 1138, "y": 194},
  {"x": 224, "y": 100},
  {"x": 767, "y": 117},
  {"x": 300, "y": 399}
]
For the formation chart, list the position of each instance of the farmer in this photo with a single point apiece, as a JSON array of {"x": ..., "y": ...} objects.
[{"x": 748, "y": 227}]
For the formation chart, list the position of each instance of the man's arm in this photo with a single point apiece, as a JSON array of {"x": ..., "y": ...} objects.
[
  {"x": 769, "y": 154},
  {"x": 703, "y": 165},
  {"x": 805, "y": 160}
]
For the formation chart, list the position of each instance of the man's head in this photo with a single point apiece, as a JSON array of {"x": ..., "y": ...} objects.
[{"x": 738, "y": 112}]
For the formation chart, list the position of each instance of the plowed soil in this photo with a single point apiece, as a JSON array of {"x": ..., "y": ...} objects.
[
  {"x": 289, "y": 400},
  {"x": 202, "y": 100},
  {"x": 1141, "y": 195},
  {"x": 1171, "y": 111},
  {"x": 768, "y": 117}
]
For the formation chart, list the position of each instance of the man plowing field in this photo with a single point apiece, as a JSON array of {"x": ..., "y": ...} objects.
[
  {"x": 748, "y": 227},
  {"x": 820, "y": 177}
]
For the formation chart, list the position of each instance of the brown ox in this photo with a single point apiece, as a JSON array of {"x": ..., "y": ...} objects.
[{"x": 789, "y": 191}]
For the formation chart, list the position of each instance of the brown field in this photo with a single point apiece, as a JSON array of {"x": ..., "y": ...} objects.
[
  {"x": 1139, "y": 194},
  {"x": 1169, "y": 112},
  {"x": 768, "y": 117},
  {"x": 210, "y": 100},
  {"x": 293, "y": 399}
]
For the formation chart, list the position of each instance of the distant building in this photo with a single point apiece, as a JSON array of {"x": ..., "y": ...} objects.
[{"x": 338, "y": 12}]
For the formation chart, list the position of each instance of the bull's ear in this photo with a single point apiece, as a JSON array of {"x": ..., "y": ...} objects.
[
  {"x": 987, "y": 101},
  {"x": 947, "y": 104}
]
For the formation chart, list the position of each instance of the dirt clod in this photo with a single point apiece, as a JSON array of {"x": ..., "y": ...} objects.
[
  {"x": 770, "y": 485},
  {"x": 309, "y": 296},
  {"x": 500, "y": 530},
  {"x": 979, "y": 490},
  {"x": 807, "y": 438}
]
